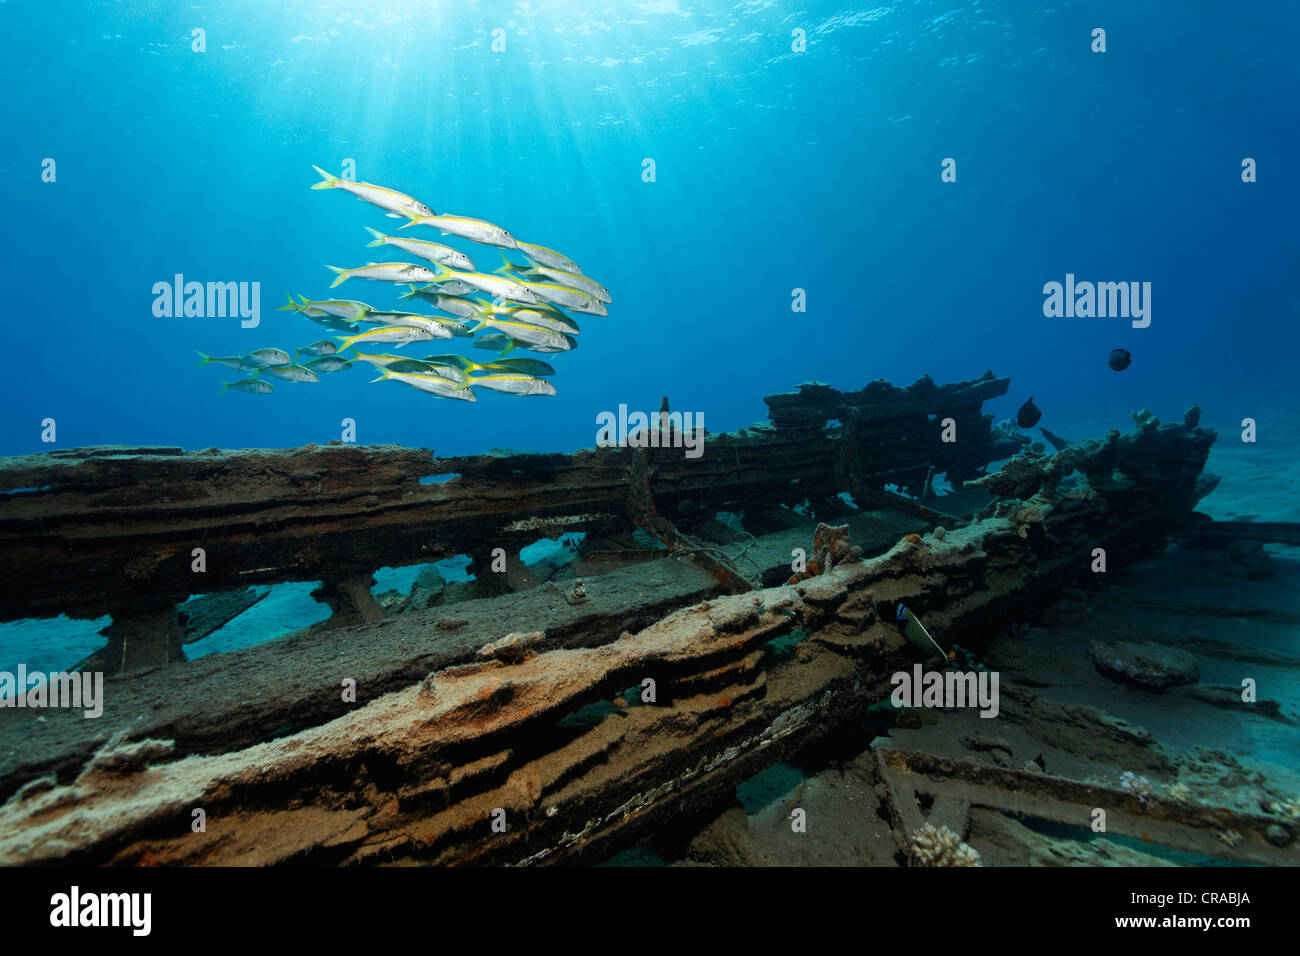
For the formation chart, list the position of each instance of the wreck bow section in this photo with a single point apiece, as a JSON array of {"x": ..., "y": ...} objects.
[{"x": 593, "y": 722}]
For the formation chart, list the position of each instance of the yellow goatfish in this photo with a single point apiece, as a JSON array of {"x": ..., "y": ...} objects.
[
  {"x": 548, "y": 257},
  {"x": 380, "y": 196},
  {"x": 515, "y": 383},
  {"x": 433, "y": 384},
  {"x": 383, "y": 272},
  {"x": 475, "y": 230},
  {"x": 399, "y": 335},
  {"x": 433, "y": 251}
]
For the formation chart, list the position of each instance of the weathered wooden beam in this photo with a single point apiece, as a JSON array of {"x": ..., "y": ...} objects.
[
  {"x": 126, "y": 524},
  {"x": 237, "y": 699},
  {"x": 256, "y": 693}
]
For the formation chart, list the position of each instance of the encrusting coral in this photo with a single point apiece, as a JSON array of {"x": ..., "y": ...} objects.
[
  {"x": 941, "y": 847},
  {"x": 1140, "y": 787}
]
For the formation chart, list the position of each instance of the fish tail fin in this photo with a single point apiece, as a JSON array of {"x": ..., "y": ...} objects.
[
  {"x": 292, "y": 306},
  {"x": 328, "y": 180},
  {"x": 383, "y": 374},
  {"x": 225, "y": 387},
  {"x": 379, "y": 240},
  {"x": 340, "y": 278},
  {"x": 413, "y": 221},
  {"x": 206, "y": 359},
  {"x": 507, "y": 266}
]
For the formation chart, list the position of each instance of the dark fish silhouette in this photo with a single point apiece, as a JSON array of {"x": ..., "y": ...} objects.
[
  {"x": 1120, "y": 359},
  {"x": 1029, "y": 414}
]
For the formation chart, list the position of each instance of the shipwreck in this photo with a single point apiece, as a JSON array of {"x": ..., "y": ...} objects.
[{"x": 530, "y": 721}]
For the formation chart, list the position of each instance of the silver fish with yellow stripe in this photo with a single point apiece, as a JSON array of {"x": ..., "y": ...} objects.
[
  {"x": 323, "y": 347},
  {"x": 431, "y": 383},
  {"x": 397, "y": 363},
  {"x": 476, "y": 230},
  {"x": 348, "y": 309},
  {"x": 439, "y": 326},
  {"x": 503, "y": 287},
  {"x": 398, "y": 335},
  {"x": 537, "y": 337},
  {"x": 504, "y": 344},
  {"x": 548, "y": 257},
  {"x": 433, "y": 251},
  {"x": 516, "y": 383},
  {"x": 252, "y": 386},
  {"x": 542, "y": 315},
  {"x": 264, "y": 358},
  {"x": 381, "y": 196},
  {"x": 570, "y": 280},
  {"x": 565, "y": 297},
  {"x": 329, "y": 363},
  {"x": 289, "y": 373},
  {"x": 525, "y": 366},
  {"x": 383, "y": 272},
  {"x": 451, "y": 304}
]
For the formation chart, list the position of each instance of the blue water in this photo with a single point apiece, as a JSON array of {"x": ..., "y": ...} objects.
[{"x": 775, "y": 170}]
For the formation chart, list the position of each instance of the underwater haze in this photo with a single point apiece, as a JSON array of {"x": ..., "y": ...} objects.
[{"x": 919, "y": 170}]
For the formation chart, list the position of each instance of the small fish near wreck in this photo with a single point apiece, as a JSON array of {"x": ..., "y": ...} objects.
[{"x": 1028, "y": 415}]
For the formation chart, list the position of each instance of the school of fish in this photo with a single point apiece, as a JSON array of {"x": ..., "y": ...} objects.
[{"x": 519, "y": 306}]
